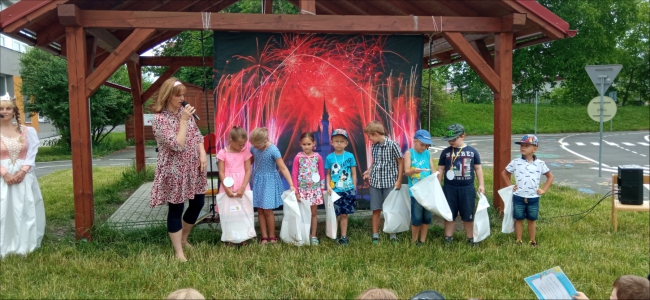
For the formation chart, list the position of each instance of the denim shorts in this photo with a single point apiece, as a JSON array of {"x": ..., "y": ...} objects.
[
  {"x": 419, "y": 215},
  {"x": 346, "y": 204},
  {"x": 523, "y": 210},
  {"x": 461, "y": 200}
]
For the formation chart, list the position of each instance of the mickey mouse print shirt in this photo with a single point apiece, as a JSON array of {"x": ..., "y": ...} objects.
[
  {"x": 340, "y": 168},
  {"x": 527, "y": 175}
]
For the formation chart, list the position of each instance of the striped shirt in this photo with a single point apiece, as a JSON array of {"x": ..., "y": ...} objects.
[{"x": 383, "y": 172}]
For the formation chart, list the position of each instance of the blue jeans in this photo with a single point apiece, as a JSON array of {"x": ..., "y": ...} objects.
[
  {"x": 419, "y": 215},
  {"x": 525, "y": 208}
]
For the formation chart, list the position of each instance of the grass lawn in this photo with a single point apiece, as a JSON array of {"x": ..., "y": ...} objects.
[
  {"x": 113, "y": 142},
  {"x": 478, "y": 119},
  {"x": 140, "y": 264}
]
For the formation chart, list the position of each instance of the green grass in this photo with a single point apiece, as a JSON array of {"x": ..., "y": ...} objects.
[
  {"x": 140, "y": 264},
  {"x": 478, "y": 119},
  {"x": 115, "y": 141}
]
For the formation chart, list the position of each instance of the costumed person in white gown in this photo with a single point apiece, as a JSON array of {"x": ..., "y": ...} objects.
[{"x": 22, "y": 214}]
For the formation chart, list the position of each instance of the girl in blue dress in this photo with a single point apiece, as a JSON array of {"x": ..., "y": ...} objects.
[{"x": 267, "y": 185}]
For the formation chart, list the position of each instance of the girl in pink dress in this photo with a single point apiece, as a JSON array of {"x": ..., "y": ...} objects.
[
  {"x": 309, "y": 178},
  {"x": 181, "y": 163},
  {"x": 234, "y": 164}
]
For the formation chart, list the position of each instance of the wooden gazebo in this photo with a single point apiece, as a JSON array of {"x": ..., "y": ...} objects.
[{"x": 97, "y": 37}]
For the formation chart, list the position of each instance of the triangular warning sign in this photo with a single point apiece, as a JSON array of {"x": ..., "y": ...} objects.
[{"x": 608, "y": 72}]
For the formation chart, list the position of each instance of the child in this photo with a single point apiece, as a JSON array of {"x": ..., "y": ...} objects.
[
  {"x": 234, "y": 163},
  {"x": 309, "y": 178},
  {"x": 267, "y": 186},
  {"x": 185, "y": 294},
  {"x": 419, "y": 163},
  {"x": 385, "y": 173},
  {"x": 342, "y": 178},
  {"x": 375, "y": 293},
  {"x": 525, "y": 199},
  {"x": 626, "y": 287},
  {"x": 457, "y": 165}
]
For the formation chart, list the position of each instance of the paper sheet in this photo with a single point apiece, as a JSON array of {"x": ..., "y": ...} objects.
[{"x": 551, "y": 284}]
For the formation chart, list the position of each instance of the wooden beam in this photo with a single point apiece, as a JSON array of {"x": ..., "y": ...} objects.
[
  {"x": 478, "y": 64},
  {"x": 267, "y": 7},
  {"x": 513, "y": 22},
  {"x": 116, "y": 59},
  {"x": 185, "y": 61},
  {"x": 287, "y": 23},
  {"x": 31, "y": 17},
  {"x": 108, "y": 41},
  {"x": 82, "y": 172},
  {"x": 307, "y": 7},
  {"x": 117, "y": 86},
  {"x": 138, "y": 114},
  {"x": 485, "y": 53},
  {"x": 69, "y": 15},
  {"x": 158, "y": 83},
  {"x": 502, "y": 112},
  {"x": 50, "y": 34}
]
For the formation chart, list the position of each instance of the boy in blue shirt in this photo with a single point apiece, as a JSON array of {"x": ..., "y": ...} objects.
[
  {"x": 340, "y": 167},
  {"x": 528, "y": 170}
]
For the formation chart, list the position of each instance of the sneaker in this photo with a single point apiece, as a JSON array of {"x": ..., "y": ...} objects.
[
  {"x": 393, "y": 240},
  {"x": 470, "y": 242},
  {"x": 314, "y": 241},
  {"x": 344, "y": 241},
  {"x": 519, "y": 243},
  {"x": 375, "y": 241},
  {"x": 449, "y": 239},
  {"x": 418, "y": 244},
  {"x": 533, "y": 244}
]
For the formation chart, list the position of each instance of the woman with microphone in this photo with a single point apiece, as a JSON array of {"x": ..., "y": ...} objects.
[{"x": 181, "y": 165}]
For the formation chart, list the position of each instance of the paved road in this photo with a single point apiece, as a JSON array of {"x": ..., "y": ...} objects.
[{"x": 572, "y": 157}]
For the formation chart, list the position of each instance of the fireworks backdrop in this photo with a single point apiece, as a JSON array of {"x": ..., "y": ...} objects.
[{"x": 295, "y": 83}]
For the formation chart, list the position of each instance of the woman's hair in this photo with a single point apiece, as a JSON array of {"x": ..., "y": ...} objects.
[
  {"x": 13, "y": 104},
  {"x": 307, "y": 135},
  {"x": 185, "y": 294},
  {"x": 375, "y": 293},
  {"x": 373, "y": 127},
  {"x": 237, "y": 133},
  {"x": 632, "y": 287},
  {"x": 259, "y": 135},
  {"x": 171, "y": 87}
]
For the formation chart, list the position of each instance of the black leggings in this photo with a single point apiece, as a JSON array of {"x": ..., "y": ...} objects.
[{"x": 191, "y": 214}]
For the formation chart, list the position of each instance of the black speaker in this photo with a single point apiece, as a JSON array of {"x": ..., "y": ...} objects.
[{"x": 630, "y": 184}]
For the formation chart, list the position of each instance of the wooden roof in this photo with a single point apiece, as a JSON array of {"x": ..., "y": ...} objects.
[{"x": 37, "y": 23}]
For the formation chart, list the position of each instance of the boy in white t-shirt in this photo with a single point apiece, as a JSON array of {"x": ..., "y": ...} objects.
[{"x": 528, "y": 171}]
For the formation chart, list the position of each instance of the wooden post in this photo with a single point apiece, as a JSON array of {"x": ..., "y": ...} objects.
[
  {"x": 82, "y": 172},
  {"x": 138, "y": 118},
  {"x": 502, "y": 111},
  {"x": 307, "y": 7},
  {"x": 267, "y": 7}
]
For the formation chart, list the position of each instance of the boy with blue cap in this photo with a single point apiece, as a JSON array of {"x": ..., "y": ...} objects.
[
  {"x": 528, "y": 170},
  {"x": 419, "y": 163},
  {"x": 340, "y": 167}
]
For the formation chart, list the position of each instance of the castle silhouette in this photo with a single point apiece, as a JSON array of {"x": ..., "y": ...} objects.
[{"x": 322, "y": 135}]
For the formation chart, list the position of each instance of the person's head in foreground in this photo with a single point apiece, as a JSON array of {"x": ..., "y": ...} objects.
[
  {"x": 375, "y": 293},
  {"x": 185, "y": 294},
  {"x": 626, "y": 287},
  {"x": 428, "y": 295}
]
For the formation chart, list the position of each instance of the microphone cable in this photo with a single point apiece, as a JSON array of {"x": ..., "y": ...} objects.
[{"x": 581, "y": 214}]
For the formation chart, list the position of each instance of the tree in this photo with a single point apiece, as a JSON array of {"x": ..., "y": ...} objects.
[
  {"x": 438, "y": 98},
  {"x": 45, "y": 81}
]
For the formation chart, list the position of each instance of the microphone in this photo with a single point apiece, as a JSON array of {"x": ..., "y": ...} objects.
[
  {"x": 2, "y": 116},
  {"x": 195, "y": 116}
]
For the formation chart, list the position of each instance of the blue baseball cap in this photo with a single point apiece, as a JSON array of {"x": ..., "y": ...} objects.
[
  {"x": 340, "y": 131},
  {"x": 423, "y": 136},
  {"x": 528, "y": 139}
]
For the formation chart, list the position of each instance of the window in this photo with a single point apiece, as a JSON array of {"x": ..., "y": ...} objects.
[
  {"x": 16, "y": 46},
  {"x": 3, "y": 86},
  {"x": 2, "y": 41}
]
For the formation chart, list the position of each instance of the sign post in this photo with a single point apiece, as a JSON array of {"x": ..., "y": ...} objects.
[
  {"x": 602, "y": 76},
  {"x": 611, "y": 122}
]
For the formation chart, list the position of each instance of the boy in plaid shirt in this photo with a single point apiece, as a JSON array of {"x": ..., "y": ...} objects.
[{"x": 385, "y": 173}]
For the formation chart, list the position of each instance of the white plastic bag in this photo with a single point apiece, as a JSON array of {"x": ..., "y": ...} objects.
[
  {"x": 508, "y": 225},
  {"x": 237, "y": 217},
  {"x": 397, "y": 211},
  {"x": 292, "y": 230},
  {"x": 428, "y": 192},
  {"x": 331, "y": 227},
  {"x": 305, "y": 222},
  {"x": 481, "y": 219}
]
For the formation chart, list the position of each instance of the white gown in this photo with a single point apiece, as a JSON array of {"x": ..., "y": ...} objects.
[{"x": 22, "y": 214}]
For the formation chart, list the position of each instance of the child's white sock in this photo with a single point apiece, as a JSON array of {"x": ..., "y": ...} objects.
[
  {"x": 393, "y": 236},
  {"x": 375, "y": 235}
]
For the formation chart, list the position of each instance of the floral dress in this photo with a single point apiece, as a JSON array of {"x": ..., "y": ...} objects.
[
  {"x": 178, "y": 174},
  {"x": 302, "y": 173}
]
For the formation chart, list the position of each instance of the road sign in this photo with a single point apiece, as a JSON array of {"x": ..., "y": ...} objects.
[
  {"x": 606, "y": 72},
  {"x": 613, "y": 95},
  {"x": 609, "y": 109}
]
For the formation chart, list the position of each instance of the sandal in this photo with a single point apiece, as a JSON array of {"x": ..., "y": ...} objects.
[
  {"x": 264, "y": 240},
  {"x": 273, "y": 240}
]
